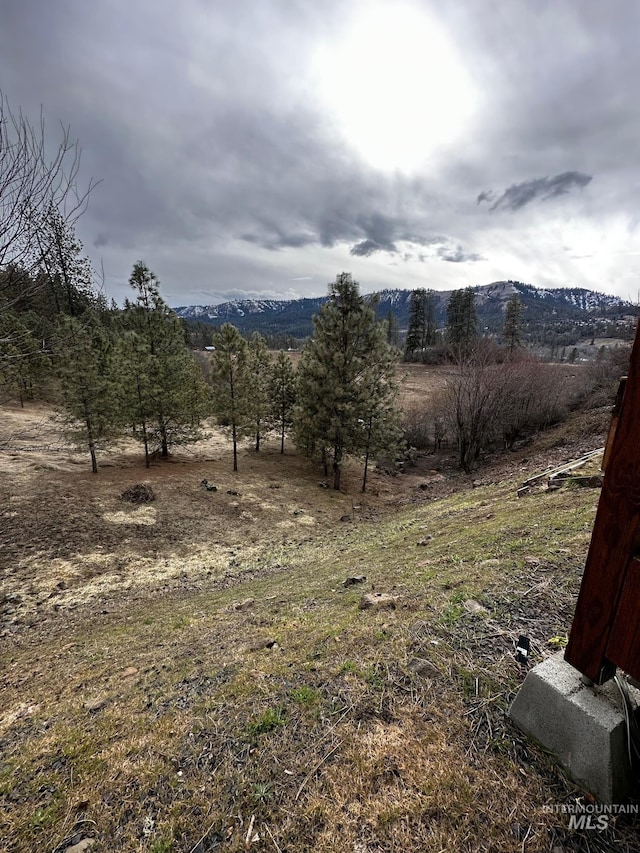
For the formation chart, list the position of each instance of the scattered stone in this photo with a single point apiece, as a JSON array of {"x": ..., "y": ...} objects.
[
  {"x": 493, "y": 561},
  {"x": 242, "y": 605},
  {"x": 81, "y": 846},
  {"x": 425, "y": 540},
  {"x": 298, "y": 512},
  {"x": 473, "y": 606},
  {"x": 476, "y": 484},
  {"x": 267, "y": 643},
  {"x": 95, "y": 705},
  {"x": 140, "y": 493},
  {"x": 532, "y": 561},
  {"x": 424, "y": 668},
  {"x": 129, "y": 671},
  {"x": 233, "y": 492},
  {"x": 378, "y": 601},
  {"x": 345, "y": 518},
  {"x": 354, "y": 580}
]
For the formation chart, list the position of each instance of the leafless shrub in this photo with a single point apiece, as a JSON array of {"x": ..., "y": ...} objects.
[
  {"x": 140, "y": 493},
  {"x": 490, "y": 402}
]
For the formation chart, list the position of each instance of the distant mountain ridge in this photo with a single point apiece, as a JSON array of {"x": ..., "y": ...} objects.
[{"x": 541, "y": 306}]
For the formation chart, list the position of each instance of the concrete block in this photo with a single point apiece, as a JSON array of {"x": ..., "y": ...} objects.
[{"x": 584, "y": 727}]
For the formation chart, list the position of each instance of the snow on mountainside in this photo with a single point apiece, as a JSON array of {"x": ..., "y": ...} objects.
[{"x": 294, "y": 316}]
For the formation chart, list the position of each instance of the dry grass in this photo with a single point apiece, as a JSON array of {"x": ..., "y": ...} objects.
[{"x": 191, "y": 675}]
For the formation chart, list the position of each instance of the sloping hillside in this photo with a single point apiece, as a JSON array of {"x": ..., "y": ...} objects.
[{"x": 198, "y": 674}]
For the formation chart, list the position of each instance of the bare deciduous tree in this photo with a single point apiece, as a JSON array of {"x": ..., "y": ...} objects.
[{"x": 36, "y": 177}]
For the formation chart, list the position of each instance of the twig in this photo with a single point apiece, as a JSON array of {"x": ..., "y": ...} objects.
[
  {"x": 317, "y": 767},
  {"x": 195, "y": 847},
  {"x": 247, "y": 840},
  {"x": 275, "y": 843}
]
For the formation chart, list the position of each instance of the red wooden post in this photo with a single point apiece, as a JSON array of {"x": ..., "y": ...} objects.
[{"x": 606, "y": 625}]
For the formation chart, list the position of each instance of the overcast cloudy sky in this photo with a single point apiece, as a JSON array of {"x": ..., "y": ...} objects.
[{"x": 260, "y": 147}]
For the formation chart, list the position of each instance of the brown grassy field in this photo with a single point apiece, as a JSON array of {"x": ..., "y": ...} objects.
[{"x": 191, "y": 675}]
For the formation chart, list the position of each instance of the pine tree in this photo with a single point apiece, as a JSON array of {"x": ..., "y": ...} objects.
[
  {"x": 230, "y": 384},
  {"x": 345, "y": 378},
  {"x": 166, "y": 387},
  {"x": 24, "y": 362},
  {"x": 259, "y": 365},
  {"x": 462, "y": 323},
  {"x": 421, "y": 332},
  {"x": 417, "y": 322},
  {"x": 430, "y": 324},
  {"x": 89, "y": 401},
  {"x": 392, "y": 329},
  {"x": 512, "y": 323},
  {"x": 282, "y": 394}
]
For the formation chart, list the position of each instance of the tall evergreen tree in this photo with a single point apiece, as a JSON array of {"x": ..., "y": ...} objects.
[
  {"x": 417, "y": 322},
  {"x": 430, "y": 323},
  {"x": 230, "y": 384},
  {"x": 512, "y": 323},
  {"x": 392, "y": 329},
  {"x": 345, "y": 377},
  {"x": 282, "y": 394},
  {"x": 164, "y": 374},
  {"x": 462, "y": 322},
  {"x": 89, "y": 402},
  {"x": 259, "y": 365},
  {"x": 24, "y": 362}
]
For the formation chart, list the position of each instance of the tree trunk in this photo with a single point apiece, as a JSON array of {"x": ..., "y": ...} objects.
[
  {"x": 90, "y": 439},
  {"x": 366, "y": 456},
  {"x": 337, "y": 467},
  {"x": 235, "y": 446},
  {"x": 282, "y": 425},
  {"x": 94, "y": 461}
]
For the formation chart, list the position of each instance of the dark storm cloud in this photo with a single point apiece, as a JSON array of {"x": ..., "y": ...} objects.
[
  {"x": 365, "y": 249},
  {"x": 457, "y": 255},
  {"x": 519, "y": 195}
]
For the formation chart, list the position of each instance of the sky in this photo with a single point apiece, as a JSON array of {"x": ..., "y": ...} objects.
[{"x": 258, "y": 148}]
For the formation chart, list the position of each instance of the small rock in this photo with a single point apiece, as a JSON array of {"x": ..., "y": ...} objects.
[
  {"x": 493, "y": 561},
  {"x": 258, "y": 645},
  {"x": 234, "y": 493},
  {"x": 81, "y": 846},
  {"x": 94, "y": 705},
  {"x": 532, "y": 561},
  {"x": 129, "y": 671},
  {"x": 378, "y": 601},
  {"x": 323, "y": 485},
  {"x": 298, "y": 512},
  {"x": 425, "y": 540},
  {"x": 354, "y": 580},
  {"x": 473, "y": 606},
  {"x": 345, "y": 518},
  {"x": 424, "y": 668},
  {"x": 242, "y": 605}
]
